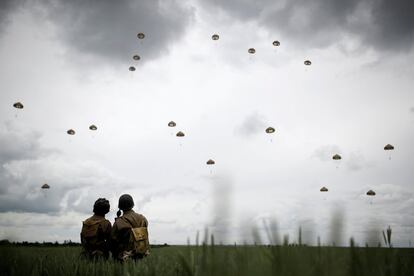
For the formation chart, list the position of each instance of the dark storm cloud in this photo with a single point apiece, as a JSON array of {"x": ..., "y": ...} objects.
[
  {"x": 24, "y": 166},
  {"x": 108, "y": 29},
  {"x": 16, "y": 147},
  {"x": 6, "y": 7},
  {"x": 41, "y": 204},
  {"x": 381, "y": 24}
]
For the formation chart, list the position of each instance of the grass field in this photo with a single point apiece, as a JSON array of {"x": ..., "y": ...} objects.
[{"x": 215, "y": 260}]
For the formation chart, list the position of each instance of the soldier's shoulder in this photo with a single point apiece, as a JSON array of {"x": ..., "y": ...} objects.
[
  {"x": 106, "y": 222},
  {"x": 121, "y": 222},
  {"x": 88, "y": 220},
  {"x": 142, "y": 218},
  {"x": 139, "y": 214}
]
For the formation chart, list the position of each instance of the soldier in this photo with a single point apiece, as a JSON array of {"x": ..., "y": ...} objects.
[
  {"x": 129, "y": 232},
  {"x": 96, "y": 232}
]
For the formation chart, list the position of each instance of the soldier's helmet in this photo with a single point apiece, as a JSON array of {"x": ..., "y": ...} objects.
[
  {"x": 101, "y": 206},
  {"x": 125, "y": 202}
]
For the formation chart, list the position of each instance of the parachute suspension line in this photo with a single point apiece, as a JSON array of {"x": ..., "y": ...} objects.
[
  {"x": 251, "y": 59},
  {"x": 337, "y": 158},
  {"x": 307, "y": 64},
  {"x": 251, "y": 52},
  {"x": 141, "y": 37},
  {"x": 180, "y": 134},
  {"x": 389, "y": 147},
  {"x": 324, "y": 190},
  {"x": 171, "y": 124},
  {"x": 17, "y": 106},
  {"x": 371, "y": 194},
  {"x": 276, "y": 45},
  {"x": 210, "y": 163},
  {"x": 270, "y": 130},
  {"x": 215, "y": 38},
  {"x": 93, "y": 128}
]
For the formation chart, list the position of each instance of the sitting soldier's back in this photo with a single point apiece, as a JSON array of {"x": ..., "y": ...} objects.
[
  {"x": 96, "y": 232},
  {"x": 130, "y": 234}
]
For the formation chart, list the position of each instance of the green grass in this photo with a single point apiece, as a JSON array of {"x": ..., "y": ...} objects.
[{"x": 215, "y": 260}]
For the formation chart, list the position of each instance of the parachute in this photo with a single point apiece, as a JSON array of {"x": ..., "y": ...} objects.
[
  {"x": 210, "y": 162},
  {"x": 336, "y": 157},
  {"x": 45, "y": 186},
  {"x": 276, "y": 43},
  {"x": 251, "y": 51},
  {"x": 324, "y": 189},
  {"x": 172, "y": 124},
  {"x": 389, "y": 147},
  {"x": 180, "y": 134},
  {"x": 132, "y": 68},
  {"x": 215, "y": 37},
  {"x": 371, "y": 193},
  {"x": 18, "y": 105},
  {"x": 270, "y": 130},
  {"x": 71, "y": 132},
  {"x": 136, "y": 57},
  {"x": 93, "y": 127},
  {"x": 141, "y": 35},
  {"x": 307, "y": 62}
]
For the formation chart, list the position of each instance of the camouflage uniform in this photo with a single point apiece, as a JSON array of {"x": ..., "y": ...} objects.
[
  {"x": 130, "y": 236},
  {"x": 95, "y": 237}
]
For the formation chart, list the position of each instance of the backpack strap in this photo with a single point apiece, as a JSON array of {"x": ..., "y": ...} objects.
[
  {"x": 130, "y": 223},
  {"x": 125, "y": 218}
]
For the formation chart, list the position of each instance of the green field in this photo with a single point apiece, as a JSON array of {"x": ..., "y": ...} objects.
[{"x": 214, "y": 260}]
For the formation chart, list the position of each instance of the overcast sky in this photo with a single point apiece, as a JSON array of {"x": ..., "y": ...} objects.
[{"x": 67, "y": 62}]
